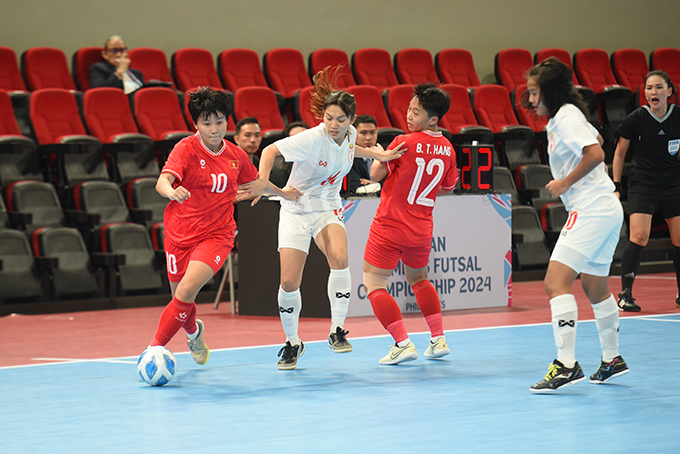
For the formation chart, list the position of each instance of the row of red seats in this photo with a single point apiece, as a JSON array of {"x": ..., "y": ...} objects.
[{"x": 284, "y": 68}]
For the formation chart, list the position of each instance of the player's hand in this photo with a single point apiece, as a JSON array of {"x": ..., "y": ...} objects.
[
  {"x": 557, "y": 188},
  {"x": 388, "y": 155},
  {"x": 251, "y": 190},
  {"x": 291, "y": 193},
  {"x": 179, "y": 194}
]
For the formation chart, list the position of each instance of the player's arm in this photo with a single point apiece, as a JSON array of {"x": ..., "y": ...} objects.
[
  {"x": 593, "y": 155},
  {"x": 256, "y": 188},
  {"x": 378, "y": 171},
  {"x": 165, "y": 189},
  {"x": 379, "y": 154},
  {"x": 618, "y": 161}
]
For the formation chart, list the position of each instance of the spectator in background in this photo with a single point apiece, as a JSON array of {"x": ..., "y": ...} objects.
[
  {"x": 281, "y": 169},
  {"x": 249, "y": 137},
  {"x": 367, "y": 137},
  {"x": 115, "y": 70}
]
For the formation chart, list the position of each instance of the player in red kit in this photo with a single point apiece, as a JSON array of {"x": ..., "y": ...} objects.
[
  {"x": 402, "y": 226},
  {"x": 200, "y": 177}
]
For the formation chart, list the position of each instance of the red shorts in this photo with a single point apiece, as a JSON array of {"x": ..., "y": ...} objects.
[
  {"x": 212, "y": 252},
  {"x": 385, "y": 253}
]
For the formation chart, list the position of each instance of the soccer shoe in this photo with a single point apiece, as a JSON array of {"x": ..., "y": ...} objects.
[
  {"x": 437, "y": 349},
  {"x": 289, "y": 355},
  {"x": 627, "y": 302},
  {"x": 399, "y": 354},
  {"x": 558, "y": 376},
  {"x": 610, "y": 370},
  {"x": 199, "y": 351},
  {"x": 338, "y": 341}
]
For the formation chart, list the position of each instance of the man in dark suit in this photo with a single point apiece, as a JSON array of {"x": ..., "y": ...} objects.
[
  {"x": 115, "y": 70},
  {"x": 367, "y": 137}
]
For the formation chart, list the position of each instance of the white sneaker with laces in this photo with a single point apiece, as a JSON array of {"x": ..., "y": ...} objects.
[
  {"x": 437, "y": 349},
  {"x": 399, "y": 354},
  {"x": 199, "y": 351}
]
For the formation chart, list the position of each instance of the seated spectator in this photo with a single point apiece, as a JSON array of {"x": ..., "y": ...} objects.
[
  {"x": 360, "y": 174},
  {"x": 249, "y": 137},
  {"x": 281, "y": 169},
  {"x": 115, "y": 70}
]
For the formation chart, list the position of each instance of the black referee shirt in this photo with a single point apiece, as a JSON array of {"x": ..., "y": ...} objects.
[{"x": 654, "y": 141}]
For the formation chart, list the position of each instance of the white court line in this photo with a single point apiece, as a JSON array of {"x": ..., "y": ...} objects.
[{"x": 133, "y": 359}]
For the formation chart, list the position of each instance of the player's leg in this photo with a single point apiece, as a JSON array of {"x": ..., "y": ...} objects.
[
  {"x": 565, "y": 370},
  {"x": 332, "y": 241},
  {"x": 388, "y": 313},
  {"x": 640, "y": 225},
  {"x": 430, "y": 306},
  {"x": 606, "y": 313},
  {"x": 674, "y": 227},
  {"x": 181, "y": 311}
]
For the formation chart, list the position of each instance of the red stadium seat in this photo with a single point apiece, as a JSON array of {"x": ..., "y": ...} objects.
[
  {"x": 18, "y": 157},
  {"x": 414, "y": 66},
  {"x": 285, "y": 71},
  {"x": 159, "y": 116},
  {"x": 335, "y": 58},
  {"x": 561, "y": 54},
  {"x": 261, "y": 103},
  {"x": 239, "y": 68},
  {"x": 303, "y": 112},
  {"x": 516, "y": 143},
  {"x": 455, "y": 66},
  {"x": 192, "y": 67},
  {"x": 10, "y": 76},
  {"x": 60, "y": 130},
  {"x": 629, "y": 67},
  {"x": 369, "y": 101},
  {"x": 511, "y": 66},
  {"x": 109, "y": 118},
  {"x": 46, "y": 67},
  {"x": 667, "y": 59},
  {"x": 81, "y": 62},
  {"x": 397, "y": 100},
  {"x": 372, "y": 66},
  {"x": 153, "y": 64}
]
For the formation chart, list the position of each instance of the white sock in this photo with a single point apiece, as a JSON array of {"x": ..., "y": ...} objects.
[
  {"x": 290, "y": 305},
  {"x": 565, "y": 320},
  {"x": 607, "y": 321},
  {"x": 404, "y": 343},
  {"x": 193, "y": 336},
  {"x": 339, "y": 290}
]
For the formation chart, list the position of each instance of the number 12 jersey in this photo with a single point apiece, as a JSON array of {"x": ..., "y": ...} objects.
[{"x": 410, "y": 188}]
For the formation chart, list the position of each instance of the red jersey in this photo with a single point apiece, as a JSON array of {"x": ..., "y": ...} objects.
[
  {"x": 410, "y": 188},
  {"x": 212, "y": 180}
]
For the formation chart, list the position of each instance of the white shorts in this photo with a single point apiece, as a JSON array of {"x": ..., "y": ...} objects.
[
  {"x": 589, "y": 237},
  {"x": 297, "y": 230}
]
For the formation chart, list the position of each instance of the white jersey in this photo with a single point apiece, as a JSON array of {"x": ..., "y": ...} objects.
[
  {"x": 568, "y": 133},
  {"x": 319, "y": 166}
]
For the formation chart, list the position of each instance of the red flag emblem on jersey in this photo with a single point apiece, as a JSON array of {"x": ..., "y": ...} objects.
[{"x": 233, "y": 164}]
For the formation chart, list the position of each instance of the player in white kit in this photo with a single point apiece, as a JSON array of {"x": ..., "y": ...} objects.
[
  {"x": 311, "y": 208},
  {"x": 591, "y": 233}
]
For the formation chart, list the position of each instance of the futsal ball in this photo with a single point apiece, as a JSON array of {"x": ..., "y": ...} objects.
[{"x": 157, "y": 365}]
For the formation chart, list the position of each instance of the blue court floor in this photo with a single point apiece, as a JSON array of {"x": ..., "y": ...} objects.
[{"x": 476, "y": 400}]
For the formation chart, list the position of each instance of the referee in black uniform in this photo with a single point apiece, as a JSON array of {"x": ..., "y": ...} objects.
[{"x": 653, "y": 130}]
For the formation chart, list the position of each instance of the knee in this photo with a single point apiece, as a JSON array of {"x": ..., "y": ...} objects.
[{"x": 639, "y": 238}]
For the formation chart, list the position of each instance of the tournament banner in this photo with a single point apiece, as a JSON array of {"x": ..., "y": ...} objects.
[{"x": 470, "y": 258}]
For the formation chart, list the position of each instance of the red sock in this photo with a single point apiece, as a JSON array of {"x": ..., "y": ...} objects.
[
  {"x": 177, "y": 314},
  {"x": 428, "y": 302},
  {"x": 388, "y": 312}
]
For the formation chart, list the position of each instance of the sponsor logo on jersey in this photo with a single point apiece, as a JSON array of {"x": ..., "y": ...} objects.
[
  {"x": 673, "y": 146},
  {"x": 233, "y": 164},
  {"x": 323, "y": 163},
  {"x": 218, "y": 259},
  {"x": 202, "y": 163}
]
